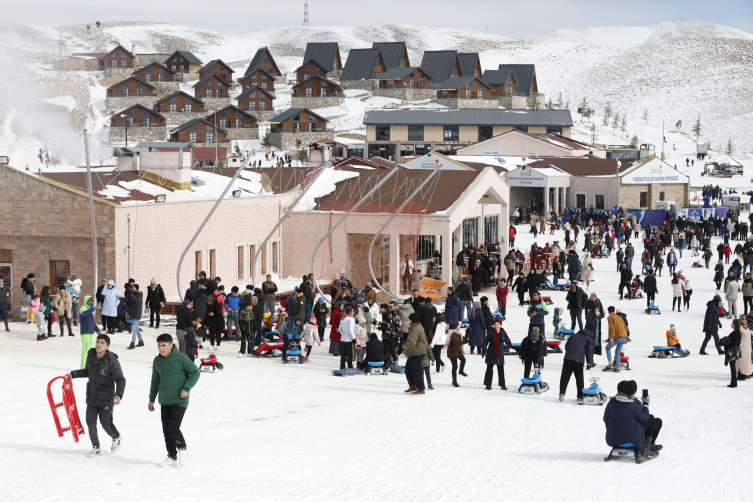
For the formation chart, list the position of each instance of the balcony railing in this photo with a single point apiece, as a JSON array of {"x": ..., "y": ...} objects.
[
  {"x": 325, "y": 95},
  {"x": 400, "y": 86},
  {"x": 132, "y": 125},
  {"x": 111, "y": 94},
  {"x": 317, "y": 129},
  {"x": 459, "y": 96}
]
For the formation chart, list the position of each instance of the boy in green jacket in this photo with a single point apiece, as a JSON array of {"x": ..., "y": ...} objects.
[{"x": 173, "y": 376}]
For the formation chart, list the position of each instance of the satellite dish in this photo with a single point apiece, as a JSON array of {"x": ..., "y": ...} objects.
[{"x": 266, "y": 183}]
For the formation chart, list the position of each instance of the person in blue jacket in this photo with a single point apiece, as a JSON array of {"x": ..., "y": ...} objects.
[
  {"x": 451, "y": 306},
  {"x": 233, "y": 305},
  {"x": 536, "y": 312},
  {"x": 628, "y": 421},
  {"x": 477, "y": 327}
]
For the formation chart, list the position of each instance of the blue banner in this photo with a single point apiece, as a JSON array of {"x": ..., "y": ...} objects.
[
  {"x": 565, "y": 217},
  {"x": 651, "y": 217}
]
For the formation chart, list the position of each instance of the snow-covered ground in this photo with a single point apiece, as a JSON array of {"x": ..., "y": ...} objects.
[{"x": 264, "y": 431}]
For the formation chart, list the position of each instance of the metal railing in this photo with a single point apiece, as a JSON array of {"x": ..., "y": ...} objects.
[
  {"x": 400, "y": 86},
  {"x": 325, "y": 95},
  {"x": 275, "y": 130},
  {"x": 458, "y": 96}
]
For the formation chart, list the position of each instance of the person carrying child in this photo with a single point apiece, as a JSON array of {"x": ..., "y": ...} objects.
[{"x": 672, "y": 340}]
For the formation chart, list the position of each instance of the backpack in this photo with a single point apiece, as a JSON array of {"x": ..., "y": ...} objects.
[{"x": 23, "y": 284}]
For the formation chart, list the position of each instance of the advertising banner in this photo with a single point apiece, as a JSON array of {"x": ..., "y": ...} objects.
[
  {"x": 651, "y": 217},
  {"x": 430, "y": 287}
]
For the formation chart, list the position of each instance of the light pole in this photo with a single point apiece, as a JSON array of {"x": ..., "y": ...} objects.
[{"x": 123, "y": 116}]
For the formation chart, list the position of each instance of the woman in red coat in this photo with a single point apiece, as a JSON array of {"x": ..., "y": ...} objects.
[{"x": 334, "y": 334}]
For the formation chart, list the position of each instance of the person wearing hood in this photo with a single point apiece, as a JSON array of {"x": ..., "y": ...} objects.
[
  {"x": 628, "y": 421},
  {"x": 521, "y": 286},
  {"x": 184, "y": 325},
  {"x": 155, "y": 300},
  {"x": 289, "y": 331},
  {"x": 428, "y": 314},
  {"x": 370, "y": 313},
  {"x": 494, "y": 352},
  {"x": 88, "y": 327},
  {"x": 369, "y": 292},
  {"x": 687, "y": 291},
  {"x": 104, "y": 389},
  {"x": 477, "y": 327},
  {"x": 415, "y": 349},
  {"x": 579, "y": 349},
  {"x": 311, "y": 336},
  {"x": 732, "y": 343},
  {"x": 533, "y": 281},
  {"x": 233, "y": 305},
  {"x": 110, "y": 307},
  {"x": 133, "y": 302},
  {"x": 451, "y": 306},
  {"x": 192, "y": 291},
  {"x": 320, "y": 312},
  {"x": 75, "y": 284},
  {"x": 374, "y": 351},
  {"x": 536, "y": 312},
  {"x": 455, "y": 351},
  {"x": 308, "y": 295},
  {"x": 532, "y": 351}
]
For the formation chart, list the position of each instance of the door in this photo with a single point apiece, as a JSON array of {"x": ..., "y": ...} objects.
[
  {"x": 580, "y": 200},
  {"x": 6, "y": 272}
]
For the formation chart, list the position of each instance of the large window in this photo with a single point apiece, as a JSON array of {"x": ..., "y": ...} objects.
[
  {"x": 452, "y": 133},
  {"x": 580, "y": 200},
  {"x": 470, "y": 231},
  {"x": 491, "y": 224},
  {"x": 599, "y": 199},
  {"x": 60, "y": 270},
  {"x": 643, "y": 199},
  {"x": 426, "y": 246},
  {"x": 241, "y": 261},
  {"x": 382, "y": 133},
  {"x": 485, "y": 132},
  {"x": 276, "y": 257},
  {"x": 415, "y": 133}
]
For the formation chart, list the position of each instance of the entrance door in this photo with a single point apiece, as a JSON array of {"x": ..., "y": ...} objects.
[
  {"x": 580, "y": 200},
  {"x": 6, "y": 272}
]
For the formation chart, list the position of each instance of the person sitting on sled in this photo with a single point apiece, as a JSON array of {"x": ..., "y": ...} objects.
[
  {"x": 672, "y": 340},
  {"x": 637, "y": 286},
  {"x": 628, "y": 421}
]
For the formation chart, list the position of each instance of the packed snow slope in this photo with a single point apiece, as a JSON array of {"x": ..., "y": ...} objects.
[{"x": 261, "y": 430}]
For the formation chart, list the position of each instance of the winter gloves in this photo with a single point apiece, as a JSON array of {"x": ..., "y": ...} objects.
[{"x": 646, "y": 400}]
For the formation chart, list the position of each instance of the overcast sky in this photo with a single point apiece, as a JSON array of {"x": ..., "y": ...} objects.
[{"x": 511, "y": 19}]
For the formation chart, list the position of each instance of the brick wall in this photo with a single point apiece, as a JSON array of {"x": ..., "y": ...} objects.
[{"x": 26, "y": 204}]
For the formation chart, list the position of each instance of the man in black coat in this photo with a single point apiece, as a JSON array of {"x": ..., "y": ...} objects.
[
  {"x": 374, "y": 351},
  {"x": 487, "y": 311},
  {"x": 428, "y": 313},
  {"x": 711, "y": 324},
  {"x": 258, "y": 309},
  {"x": 626, "y": 276},
  {"x": 578, "y": 348},
  {"x": 576, "y": 302},
  {"x": 465, "y": 297},
  {"x": 104, "y": 389},
  {"x": 649, "y": 287},
  {"x": 533, "y": 282},
  {"x": 184, "y": 324},
  {"x": 133, "y": 302}
]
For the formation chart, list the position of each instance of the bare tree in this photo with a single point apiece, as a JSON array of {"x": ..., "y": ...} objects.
[
  {"x": 645, "y": 115},
  {"x": 678, "y": 125}
]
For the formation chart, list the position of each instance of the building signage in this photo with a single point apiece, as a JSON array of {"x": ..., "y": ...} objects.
[
  {"x": 491, "y": 152},
  {"x": 654, "y": 172},
  {"x": 532, "y": 153},
  {"x": 525, "y": 177}
]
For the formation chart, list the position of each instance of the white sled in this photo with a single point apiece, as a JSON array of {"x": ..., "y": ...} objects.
[
  {"x": 375, "y": 368},
  {"x": 629, "y": 453},
  {"x": 533, "y": 386}
]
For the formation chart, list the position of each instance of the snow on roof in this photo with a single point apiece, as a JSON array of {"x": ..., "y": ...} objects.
[{"x": 324, "y": 185}]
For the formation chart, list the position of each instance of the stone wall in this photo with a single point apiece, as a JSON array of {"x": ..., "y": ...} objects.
[
  {"x": 243, "y": 133},
  {"x": 406, "y": 94},
  {"x": 23, "y": 198},
  {"x": 316, "y": 102},
  {"x": 286, "y": 140},
  {"x": 185, "y": 77},
  {"x": 263, "y": 116},
  {"x": 137, "y": 134},
  {"x": 166, "y": 87},
  {"x": 334, "y": 75},
  {"x": 366, "y": 85},
  {"x": 174, "y": 119},
  {"x": 216, "y": 103},
  {"x": 630, "y": 194},
  {"x": 121, "y": 103},
  {"x": 521, "y": 102},
  {"x": 467, "y": 103},
  {"x": 118, "y": 72}
]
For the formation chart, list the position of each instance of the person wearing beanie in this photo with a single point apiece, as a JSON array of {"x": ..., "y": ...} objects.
[
  {"x": 672, "y": 339},
  {"x": 320, "y": 312},
  {"x": 628, "y": 421},
  {"x": 389, "y": 333},
  {"x": 369, "y": 292},
  {"x": 455, "y": 351},
  {"x": 711, "y": 324},
  {"x": 246, "y": 321},
  {"x": 531, "y": 352},
  {"x": 428, "y": 313},
  {"x": 307, "y": 288},
  {"x": 477, "y": 327},
  {"x": 617, "y": 338},
  {"x": 536, "y": 312},
  {"x": 415, "y": 348},
  {"x": 155, "y": 300},
  {"x": 73, "y": 286}
]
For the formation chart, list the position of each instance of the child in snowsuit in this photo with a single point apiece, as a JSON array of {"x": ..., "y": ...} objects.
[
  {"x": 672, "y": 340},
  {"x": 556, "y": 321},
  {"x": 311, "y": 335},
  {"x": 290, "y": 333},
  {"x": 122, "y": 315},
  {"x": 39, "y": 319},
  {"x": 192, "y": 345},
  {"x": 362, "y": 337},
  {"x": 34, "y": 306},
  {"x": 502, "y": 292},
  {"x": 246, "y": 321},
  {"x": 426, "y": 363}
]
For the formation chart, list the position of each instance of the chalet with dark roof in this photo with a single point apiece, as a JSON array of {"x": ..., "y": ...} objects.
[
  {"x": 441, "y": 65},
  {"x": 137, "y": 115},
  {"x": 317, "y": 92},
  {"x": 179, "y": 102},
  {"x": 470, "y": 64},
  {"x": 308, "y": 69},
  {"x": 255, "y": 99},
  {"x": 298, "y": 124},
  {"x": 363, "y": 64},
  {"x": 517, "y": 84},
  {"x": 154, "y": 72},
  {"x": 411, "y": 77},
  {"x": 130, "y": 87},
  {"x": 212, "y": 86},
  {"x": 258, "y": 77},
  {"x": 119, "y": 57},
  {"x": 394, "y": 54},
  {"x": 463, "y": 88},
  {"x": 237, "y": 123},
  {"x": 217, "y": 67},
  {"x": 326, "y": 54},
  {"x": 198, "y": 131},
  {"x": 263, "y": 59},
  {"x": 183, "y": 62}
]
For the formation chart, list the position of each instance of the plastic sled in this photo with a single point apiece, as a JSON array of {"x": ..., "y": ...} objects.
[
  {"x": 268, "y": 350},
  {"x": 533, "y": 386},
  {"x": 697, "y": 264},
  {"x": 272, "y": 336},
  {"x": 628, "y": 452},
  {"x": 464, "y": 324},
  {"x": 593, "y": 395},
  {"x": 396, "y": 368},
  {"x": 546, "y": 299},
  {"x": 667, "y": 352},
  {"x": 624, "y": 362},
  {"x": 293, "y": 354},
  {"x": 210, "y": 365},
  {"x": 346, "y": 372},
  {"x": 653, "y": 309},
  {"x": 563, "y": 333},
  {"x": 553, "y": 347},
  {"x": 375, "y": 368},
  {"x": 562, "y": 286},
  {"x": 497, "y": 314},
  {"x": 69, "y": 402},
  {"x": 548, "y": 286}
]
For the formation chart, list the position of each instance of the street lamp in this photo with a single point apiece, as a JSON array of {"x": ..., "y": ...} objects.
[{"x": 123, "y": 116}]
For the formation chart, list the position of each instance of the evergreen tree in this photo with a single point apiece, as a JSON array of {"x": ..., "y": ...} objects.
[
  {"x": 634, "y": 140},
  {"x": 616, "y": 122},
  {"x": 266, "y": 141},
  {"x": 623, "y": 126},
  {"x": 678, "y": 125},
  {"x": 559, "y": 101},
  {"x": 645, "y": 115},
  {"x": 697, "y": 128},
  {"x": 605, "y": 122},
  {"x": 730, "y": 149}
]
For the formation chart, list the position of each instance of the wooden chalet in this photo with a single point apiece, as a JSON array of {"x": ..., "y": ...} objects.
[
  {"x": 512, "y": 80},
  {"x": 309, "y": 68},
  {"x": 441, "y": 65},
  {"x": 463, "y": 88},
  {"x": 212, "y": 86},
  {"x": 317, "y": 86},
  {"x": 470, "y": 64},
  {"x": 155, "y": 72},
  {"x": 326, "y": 54},
  {"x": 411, "y": 77},
  {"x": 363, "y": 64},
  {"x": 263, "y": 59},
  {"x": 198, "y": 131},
  {"x": 295, "y": 120},
  {"x": 183, "y": 62},
  {"x": 119, "y": 57},
  {"x": 394, "y": 54},
  {"x": 232, "y": 117},
  {"x": 179, "y": 102},
  {"x": 258, "y": 77},
  {"x": 255, "y": 99},
  {"x": 217, "y": 67},
  {"x": 138, "y": 116},
  {"x": 131, "y": 86}
]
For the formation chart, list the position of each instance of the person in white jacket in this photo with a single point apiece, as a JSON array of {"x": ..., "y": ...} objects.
[
  {"x": 438, "y": 340},
  {"x": 676, "y": 292},
  {"x": 310, "y": 336},
  {"x": 362, "y": 336},
  {"x": 347, "y": 331}
]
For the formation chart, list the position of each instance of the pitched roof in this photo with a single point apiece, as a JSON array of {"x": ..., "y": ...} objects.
[
  {"x": 292, "y": 112},
  {"x": 214, "y": 62},
  {"x": 323, "y": 79},
  {"x": 322, "y": 52},
  {"x": 134, "y": 78},
  {"x": 192, "y": 122},
  {"x": 257, "y": 58},
  {"x": 139, "y": 105},
  {"x": 187, "y": 56},
  {"x": 254, "y": 70},
  {"x": 458, "y": 82},
  {"x": 123, "y": 49},
  {"x": 398, "y": 73},
  {"x": 583, "y": 166},
  {"x": 168, "y": 70},
  {"x": 392, "y": 52},
  {"x": 523, "y": 74},
  {"x": 253, "y": 88},
  {"x": 309, "y": 61},
  {"x": 208, "y": 78},
  {"x": 468, "y": 116},
  {"x": 237, "y": 110},
  {"x": 468, "y": 62},
  {"x": 360, "y": 64},
  {"x": 169, "y": 96},
  {"x": 438, "y": 64}
]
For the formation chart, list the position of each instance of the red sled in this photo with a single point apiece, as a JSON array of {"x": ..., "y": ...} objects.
[
  {"x": 210, "y": 364},
  {"x": 268, "y": 350},
  {"x": 69, "y": 401}
]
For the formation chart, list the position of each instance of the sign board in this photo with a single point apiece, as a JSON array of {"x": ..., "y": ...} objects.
[
  {"x": 696, "y": 213},
  {"x": 491, "y": 152},
  {"x": 525, "y": 177},
  {"x": 619, "y": 147},
  {"x": 4, "y": 160},
  {"x": 653, "y": 172},
  {"x": 651, "y": 217},
  {"x": 430, "y": 287},
  {"x": 532, "y": 153}
]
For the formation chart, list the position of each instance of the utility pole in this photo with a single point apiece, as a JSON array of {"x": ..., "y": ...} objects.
[
  {"x": 61, "y": 43},
  {"x": 305, "y": 12},
  {"x": 91, "y": 210}
]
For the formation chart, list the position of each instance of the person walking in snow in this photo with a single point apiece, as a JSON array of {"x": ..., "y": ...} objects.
[{"x": 104, "y": 390}]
